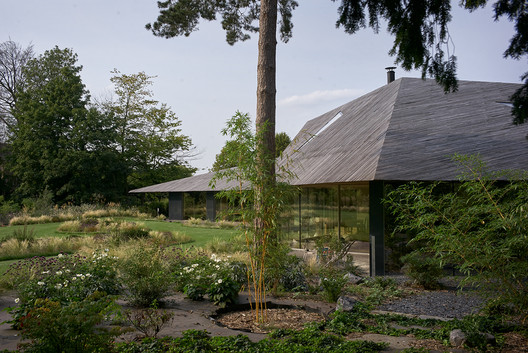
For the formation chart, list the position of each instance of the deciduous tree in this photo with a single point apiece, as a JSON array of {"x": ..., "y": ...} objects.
[
  {"x": 59, "y": 144},
  {"x": 149, "y": 135},
  {"x": 12, "y": 60}
]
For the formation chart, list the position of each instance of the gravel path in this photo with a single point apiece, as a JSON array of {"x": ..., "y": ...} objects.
[{"x": 448, "y": 303}]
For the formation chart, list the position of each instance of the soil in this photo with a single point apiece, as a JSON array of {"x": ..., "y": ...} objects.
[{"x": 290, "y": 313}]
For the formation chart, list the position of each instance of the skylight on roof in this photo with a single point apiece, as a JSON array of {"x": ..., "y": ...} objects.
[{"x": 323, "y": 128}]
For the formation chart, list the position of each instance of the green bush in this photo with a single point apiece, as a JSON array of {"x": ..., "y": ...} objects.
[
  {"x": 219, "y": 279},
  {"x": 480, "y": 226},
  {"x": 283, "y": 271},
  {"x": 145, "y": 275},
  {"x": 333, "y": 282},
  {"x": 52, "y": 326},
  {"x": 423, "y": 269},
  {"x": 64, "y": 279}
]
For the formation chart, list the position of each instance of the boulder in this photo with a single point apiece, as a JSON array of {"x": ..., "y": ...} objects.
[
  {"x": 457, "y": 338},
  {"x": 345, "y": 303},
  {"x": 353, "y": 279}
]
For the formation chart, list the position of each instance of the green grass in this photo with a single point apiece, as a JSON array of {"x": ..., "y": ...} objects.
[
  {"x": 39, "y": 230},
  {"x": 201, "y": 236}
]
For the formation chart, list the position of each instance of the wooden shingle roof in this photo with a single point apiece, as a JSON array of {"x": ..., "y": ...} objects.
[{"x": 406, "y": 130}]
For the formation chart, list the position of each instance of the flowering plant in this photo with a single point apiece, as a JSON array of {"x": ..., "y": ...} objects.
[
  {"x": 64, "y": 279},
  {"x": 221, "y": 280}
]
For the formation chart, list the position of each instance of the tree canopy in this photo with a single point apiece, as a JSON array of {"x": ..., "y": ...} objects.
[
  {"x": 59, "y": 144},
  {"x": 420, "y": 29},
  {"x": 222, "y": 161},
  {"x": 149, "y": 136},
  {"x": 65, "y": 146},
  {"x": 12, "y": 60}
]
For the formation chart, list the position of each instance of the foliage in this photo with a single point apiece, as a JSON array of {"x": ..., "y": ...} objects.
[
  {"x": 13, "y": 58},
  {"x": 149, "y": 137},
  {"x": 7, "y": 209},
  {"x": 223, "y": 161},
  {"x": 220, "y": 280},
  {"x": 310, "y": 339},
  {"x": 145, "y": 275},
  {"x": 149, "y": 321},
  {"x": 380, "y": 289},
  {"x": 333, "y": 282},
  {"x": 63, "y": 279},
  {"x": 285, "y": 272},
  {"x": 181, "y": 18},
  {"x": 53, "y": 326},
  {"x": 423, "y": 268},
  {"x": 60, "y": 145},
  {"x": 481, "y": 227},
  {"x": 258, "y": 207},
  {"x": 21, "y": 235}
]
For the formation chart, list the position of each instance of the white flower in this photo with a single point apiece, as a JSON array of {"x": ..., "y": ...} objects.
[
  {"x": 219, "y": 281},
  {"x": 58, "y": 273},
  {"x": 106, "y": 250},
  {"x": 74, "y": 278},
  {"x": 88, "y": 275},
  {"x": 40, "y": 283},
  {"x": 58, "y": 286},
  {"x": 194, "y": 265},
  {"x": 45, "y": 272},
  {"x": 217, "y": 267},
  {"x": 17, "y": 300},
  {"x": 60, "y": 255},
  {"x": 67, "y": 271}
]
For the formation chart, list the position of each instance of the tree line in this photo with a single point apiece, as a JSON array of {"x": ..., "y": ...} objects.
[{"x": 56, "y": 140}]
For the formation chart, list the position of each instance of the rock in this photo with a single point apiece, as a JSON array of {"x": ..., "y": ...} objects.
[
  {"x": 490, "y": 339},
  {"x": 345, "y": 303},
  {"x": 457, "y": 338},
  {"x": 353, "y": 279}
]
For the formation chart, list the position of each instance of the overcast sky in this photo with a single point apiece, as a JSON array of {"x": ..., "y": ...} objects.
[{"x": 205, "y": 81}]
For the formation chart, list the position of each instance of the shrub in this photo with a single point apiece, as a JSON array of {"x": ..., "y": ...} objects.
[
  {"x": 423, "y": 269},
  {"x": 333, "y": 282},
  {"x": 149, "y": 321},
  {"x": 481, "y": 227},
  {"x": 146, "y": 275},
  {"x": 72, "y": 327},
  {"x": 65, "y": 279},
  {"x": 220, "y": 279},
  {"x": 380, "y": 289},
  {"x": 285, "y": 271}
]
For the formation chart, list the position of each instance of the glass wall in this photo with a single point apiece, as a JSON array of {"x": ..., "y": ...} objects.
[{"x": 340, "y": 210}]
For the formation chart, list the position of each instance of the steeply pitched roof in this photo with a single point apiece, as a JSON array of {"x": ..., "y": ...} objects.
[
  {"x": 406, "y": 130},
  {"x": 409, "y": 130}
]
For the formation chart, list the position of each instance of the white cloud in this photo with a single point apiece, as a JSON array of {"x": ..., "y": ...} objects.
[{"x": 318, "y": 97}]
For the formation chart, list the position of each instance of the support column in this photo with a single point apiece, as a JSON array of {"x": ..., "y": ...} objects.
[
  {"x": 376, "y": 228},
  {"x": 210, "y": 205},
  {"x": 176, "y": 206}
]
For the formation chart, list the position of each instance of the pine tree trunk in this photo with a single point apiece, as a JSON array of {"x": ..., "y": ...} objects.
[
  {"x": 265, "y": 121},
  {"x": 266, "y": 92}
]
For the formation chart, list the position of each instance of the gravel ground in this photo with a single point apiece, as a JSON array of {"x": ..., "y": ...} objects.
[{"x": 447, "y": 303}]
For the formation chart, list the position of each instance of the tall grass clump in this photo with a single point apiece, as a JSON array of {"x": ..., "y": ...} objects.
[
  {"x": 169, "y": 238},
  {"x": 145, "y": 275},
  {"x": 19, "y": 249},
  {"x": 70, "y": 227}
]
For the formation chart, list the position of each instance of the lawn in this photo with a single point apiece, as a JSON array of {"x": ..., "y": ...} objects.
[{"x": 200, "y": 235}]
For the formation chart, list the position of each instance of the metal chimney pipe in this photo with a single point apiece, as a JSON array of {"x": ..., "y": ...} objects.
[{"x": 391, "y": 76}]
